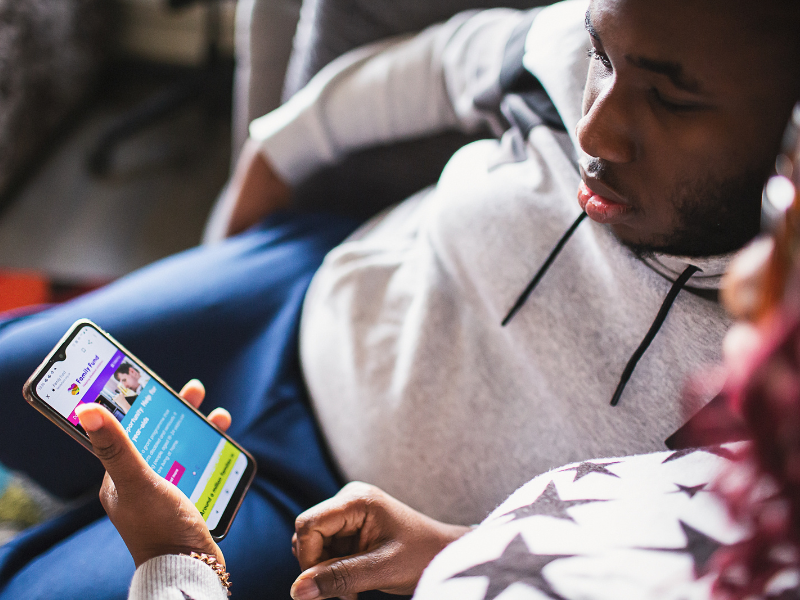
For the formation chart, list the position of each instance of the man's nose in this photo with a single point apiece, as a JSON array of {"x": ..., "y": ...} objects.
[{"x": 605, "y": 130}]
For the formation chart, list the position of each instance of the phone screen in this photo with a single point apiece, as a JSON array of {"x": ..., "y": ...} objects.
[{"x": 178, "y": 444}]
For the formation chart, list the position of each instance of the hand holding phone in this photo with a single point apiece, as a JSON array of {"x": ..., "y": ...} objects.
[
  {"x": 153, "y": 517},
  {"x": 90, "y": 368}
]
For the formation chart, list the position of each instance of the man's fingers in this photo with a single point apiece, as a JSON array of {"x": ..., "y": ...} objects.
[
  {"x": 221, "y": 418},
  {"x": 110, "y": 443},
  {"x": 342, "y": 515},
  {"x": 344, "y": 576},
  {"x": 309, "y": 548},
  {"x": 193, "y": 392}
]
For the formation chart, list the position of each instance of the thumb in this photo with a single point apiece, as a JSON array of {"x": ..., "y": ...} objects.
[
  {"x": 111, "y": 444},
  {"x": 342, "y": 577}
]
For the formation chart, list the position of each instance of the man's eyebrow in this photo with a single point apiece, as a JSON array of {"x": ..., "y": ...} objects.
[
  {"x": 587, "y": 23},
  {"x": 672, "y": 70}
]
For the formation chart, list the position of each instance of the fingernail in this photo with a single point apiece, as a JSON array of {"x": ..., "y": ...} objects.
[
  {"x": 90, "y": 419},
  {"x": 305, "y": 589}
]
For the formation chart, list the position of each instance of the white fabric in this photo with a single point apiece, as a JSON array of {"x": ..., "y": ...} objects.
[
  {"x": 646, "y": 533},
  {"x": 176, "y": 577}
]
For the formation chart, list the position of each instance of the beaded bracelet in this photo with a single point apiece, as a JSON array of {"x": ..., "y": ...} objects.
[{"x": 211, "y": 561}]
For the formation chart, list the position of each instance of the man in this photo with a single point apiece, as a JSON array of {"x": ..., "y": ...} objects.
[
  {"x": 130, "y": 386},
  {"x": 673, "y": 153},
  {"x": 415, "y": 383},
  {"x": 128, "y": 377}
]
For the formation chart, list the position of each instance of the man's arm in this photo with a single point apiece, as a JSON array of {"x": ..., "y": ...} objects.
[
  {"x": 254, "y": 191},
  {"x": 390, "y": 91}
]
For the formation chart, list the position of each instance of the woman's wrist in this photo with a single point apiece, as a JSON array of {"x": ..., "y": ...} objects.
[
  {"x": 179, "y": 572},
  {"x": 216, "y": 565}
]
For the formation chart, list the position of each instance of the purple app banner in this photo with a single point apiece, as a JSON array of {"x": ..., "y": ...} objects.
[{"x": 99, "y": 383}]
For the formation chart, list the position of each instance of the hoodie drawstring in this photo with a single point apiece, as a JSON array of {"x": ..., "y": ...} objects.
[
  {"x": 523, "y": 297},
  {"x": 651, "y": 334},
  {"x": 654, "y": 328}
]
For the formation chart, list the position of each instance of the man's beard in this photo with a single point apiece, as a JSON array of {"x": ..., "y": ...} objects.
[{"x": 714, "y": 215}]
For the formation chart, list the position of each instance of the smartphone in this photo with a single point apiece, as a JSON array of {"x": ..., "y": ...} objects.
[{"x": 88, "y": 365}]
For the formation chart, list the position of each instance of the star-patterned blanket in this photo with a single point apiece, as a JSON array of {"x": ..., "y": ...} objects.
[{"x": 639, "y": 527}]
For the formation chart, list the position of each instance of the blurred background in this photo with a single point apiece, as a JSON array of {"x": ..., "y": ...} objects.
[
  {"x": 115, "y": 137},
  {"x": 116, "y": 134}
]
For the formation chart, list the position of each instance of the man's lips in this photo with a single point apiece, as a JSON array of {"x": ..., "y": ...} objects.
[{"x": 601, "y": 208}]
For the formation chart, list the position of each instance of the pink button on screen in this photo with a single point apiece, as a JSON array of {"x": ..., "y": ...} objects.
[{"x": 175, "y": 473}]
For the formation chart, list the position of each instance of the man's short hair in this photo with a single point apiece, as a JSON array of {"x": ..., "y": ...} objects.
[
  {"x": 124, "y": 369},
  {"x": 774, "y": 18}
]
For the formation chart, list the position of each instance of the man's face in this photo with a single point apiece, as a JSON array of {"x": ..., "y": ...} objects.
[
  {"x": 684, "y": 109},
  {"x": 130, "y": 379}
]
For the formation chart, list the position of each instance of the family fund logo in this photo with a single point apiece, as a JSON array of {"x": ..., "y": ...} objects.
[
  {"x": 74, "y": 389},
  {"x": 83, "y": 374}
]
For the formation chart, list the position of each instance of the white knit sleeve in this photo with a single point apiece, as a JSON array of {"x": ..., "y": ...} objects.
[
  {"x": 175, "y": 577},
  {"x": 393, "y": 90}
]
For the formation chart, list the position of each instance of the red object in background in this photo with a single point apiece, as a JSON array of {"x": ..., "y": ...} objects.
[
  {"x": 19, "y": 289},
  {"x": 23, "y": 291}
]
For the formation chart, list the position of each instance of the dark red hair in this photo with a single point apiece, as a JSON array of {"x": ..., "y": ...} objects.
[{"x": 762, "y": 490}]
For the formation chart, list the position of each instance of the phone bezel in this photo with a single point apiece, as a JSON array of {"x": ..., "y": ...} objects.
[{"x": 30, "y": 395}]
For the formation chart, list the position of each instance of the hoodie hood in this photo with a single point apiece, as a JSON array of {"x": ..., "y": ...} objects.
[{"x": 709, "y": 276}]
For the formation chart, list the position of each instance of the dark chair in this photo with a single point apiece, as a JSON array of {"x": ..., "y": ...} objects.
[{"x": 210, "y": 84}]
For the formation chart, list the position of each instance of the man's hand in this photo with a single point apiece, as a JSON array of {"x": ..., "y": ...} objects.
[
  {"x": 363, "y": 539},
  {"x": 152, "y": 515},
  {"x": 255, "y": 191}
]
